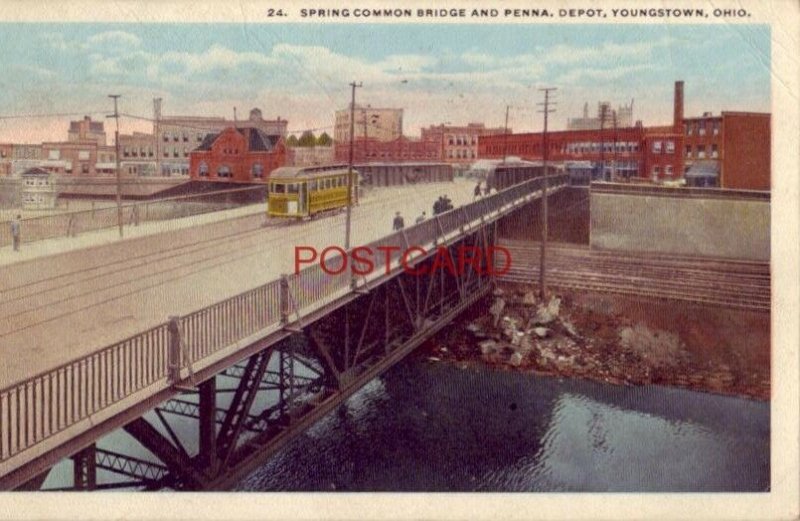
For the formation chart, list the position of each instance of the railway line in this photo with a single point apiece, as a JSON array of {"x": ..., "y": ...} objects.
[{"x": 709, "y": 281}]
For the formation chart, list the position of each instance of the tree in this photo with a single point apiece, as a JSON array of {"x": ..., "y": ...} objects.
[
  {"x": 291, "y": 141},
  {"x": 324, "y": 140},
  {"x": 307, "y": 139}
]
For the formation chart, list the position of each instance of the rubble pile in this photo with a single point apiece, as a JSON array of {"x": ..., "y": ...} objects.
[{"x": 556, "y": 337}]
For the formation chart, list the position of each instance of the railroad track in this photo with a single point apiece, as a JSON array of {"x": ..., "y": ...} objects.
[{"x": 710, "y": 281}]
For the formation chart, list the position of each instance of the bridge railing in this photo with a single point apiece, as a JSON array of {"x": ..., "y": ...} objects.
[
  {"x": 44, "y": 405},
  {"x": 69, "y": 224}
]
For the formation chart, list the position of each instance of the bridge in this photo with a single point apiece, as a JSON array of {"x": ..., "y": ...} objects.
[{"x": 213, "y": 325}]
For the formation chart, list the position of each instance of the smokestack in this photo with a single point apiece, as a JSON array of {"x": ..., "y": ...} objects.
[{"x": 677, "y": 118}]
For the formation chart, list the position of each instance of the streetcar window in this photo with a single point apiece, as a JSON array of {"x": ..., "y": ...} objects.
[
  {"x": 293, "y": 188},
  {"x": 312, "y": 186},
  {"x": 279, "y": 188}
]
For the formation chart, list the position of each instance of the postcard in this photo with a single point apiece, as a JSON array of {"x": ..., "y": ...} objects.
[{"x": 375, "y": 260}]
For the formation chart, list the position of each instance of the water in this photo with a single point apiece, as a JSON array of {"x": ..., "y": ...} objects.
[{"x": 438, "y": 428}]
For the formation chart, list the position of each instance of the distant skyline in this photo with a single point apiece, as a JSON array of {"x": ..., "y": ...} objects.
[{"x": 457, "y": 73}]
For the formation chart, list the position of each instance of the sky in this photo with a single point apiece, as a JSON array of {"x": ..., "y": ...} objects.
[{"x": 456, "y": 73}]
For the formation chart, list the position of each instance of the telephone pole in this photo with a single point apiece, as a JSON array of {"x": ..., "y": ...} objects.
[
  {"x": 115, "y": 115},
  {"x": 505, "y": 137},
  {"x": 603, "y": 109},
  {"x": 545, "y": 151},
  {"x": 353, "y": 85}
]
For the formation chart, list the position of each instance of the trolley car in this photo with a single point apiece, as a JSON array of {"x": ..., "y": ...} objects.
[{"x": 307, "y": 191}]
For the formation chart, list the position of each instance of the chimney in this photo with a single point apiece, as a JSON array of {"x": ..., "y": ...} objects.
[{"x": 677, "y": 118}]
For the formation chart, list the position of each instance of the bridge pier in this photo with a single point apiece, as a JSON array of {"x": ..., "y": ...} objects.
[
  {"x": 207, "y": 424},
  {"x": 84, "y": 469}
]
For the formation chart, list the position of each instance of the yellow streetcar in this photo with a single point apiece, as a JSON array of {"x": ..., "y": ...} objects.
[{"x": 307, "y": 191}]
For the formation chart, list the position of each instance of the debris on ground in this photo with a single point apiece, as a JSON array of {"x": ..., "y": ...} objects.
[{"x": 560, "y": 337}]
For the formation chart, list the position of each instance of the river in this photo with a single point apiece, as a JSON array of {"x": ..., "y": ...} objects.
[{"x": 438, "y": 427}]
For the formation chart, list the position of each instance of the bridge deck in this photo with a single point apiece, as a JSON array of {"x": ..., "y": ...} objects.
[
  {"x": 61, "y": 307},
  {"x": 87, "y": 338}
]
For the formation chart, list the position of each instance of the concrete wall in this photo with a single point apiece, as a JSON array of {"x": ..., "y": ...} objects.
[{"x": 737, "y": 228}]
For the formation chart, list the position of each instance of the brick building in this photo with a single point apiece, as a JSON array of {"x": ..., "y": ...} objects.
[
  {"x": 87, "y": 130},
  {"x": 237, "y": 155},
  {"x": 137, "y": 154},
  {"x": 400, "y": 150},
  {"x": 78, "y": 158},
  {"x": 731, "y": 150},
  {"x": 6, "y": 155},
  {"x": 310, "y": 156},
  {"x": 593, "y": 154},
  {"x": 459, "y": 144},
  {"x": 653, "y": 153},
  {"x": 177, "y": 136},
  {"x": 380, "y": 124}
]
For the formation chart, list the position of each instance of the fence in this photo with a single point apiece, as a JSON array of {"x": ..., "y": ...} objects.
[
  {"x": 69, "y": 224},
  {"x": 41, "y": 406}
]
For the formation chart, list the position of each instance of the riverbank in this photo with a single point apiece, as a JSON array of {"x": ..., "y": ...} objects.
[{"x": 616, "y": 340}]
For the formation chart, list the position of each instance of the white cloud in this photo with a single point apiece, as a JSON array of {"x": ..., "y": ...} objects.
[
  {"x": 605, "y": 74},
  {"x": 114, "y": 39}
]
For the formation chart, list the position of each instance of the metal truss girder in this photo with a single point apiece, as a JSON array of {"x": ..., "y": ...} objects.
[
  {"x": 177, "y": 461},
  {"x": 240, "y": 405},
  {"x": 145, "y": 471}
]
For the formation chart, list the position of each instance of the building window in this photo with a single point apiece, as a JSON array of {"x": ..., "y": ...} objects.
[
  {"x": 175, "y": 137},
  {"x": 199, "y": 137},
  {"x": 84, "y": 168},
  {"x": 185, "y": 152},
  {"x": 714, "y": 151},
  {"x": 258, "y": 171},
  {"x": 174, "y": 151},
  {"x": 688, "y": 150},
  {"x": 701, "y": 151},
  {"x": 166, "y": 153},
  {"x": 716, "y": 128},
  {"x": 202, "y": 170},
  {"x": 656, "y": 171},
  {"x": 668, "y": 170},
  {"x": 670, "y": 147},
  {"x": 185, "y": 138},
  {"x": 166, "y": 137},
  {"x": 657, "y": 147},
  {"x": 54, "y": 154},
  {"x": 690, "y": 129},
  {"x": 126, "y": 152},
  {"x": 150, "y": 151},
  {"x": 224, "y": 171},
  {"x": 702, "y": 131}
]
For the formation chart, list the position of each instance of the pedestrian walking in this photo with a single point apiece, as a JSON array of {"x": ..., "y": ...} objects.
[
  {"x": 478, "y": 190},
  {"x": 16, "y": 225},
  {"x": 421, "y": 218},
  {"x": 398, "y": 223}
]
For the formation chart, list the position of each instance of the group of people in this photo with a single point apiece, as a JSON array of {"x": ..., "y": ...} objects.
[
  {"x": 486, "y": 190},
  {"x": 441, "y": 205}
]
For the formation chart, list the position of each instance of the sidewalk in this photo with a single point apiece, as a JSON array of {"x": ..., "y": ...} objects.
[{"x": 43, "y": 248}]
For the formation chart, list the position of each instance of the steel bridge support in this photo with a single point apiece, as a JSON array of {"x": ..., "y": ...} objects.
[{"x": 84, "y": 469}]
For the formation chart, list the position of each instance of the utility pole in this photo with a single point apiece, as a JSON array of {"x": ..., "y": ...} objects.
[
  {"x": 156, "y": 130},
  {"x": 616, "y": 137},
  {"x": 603, "y": 107},
  {"x": 115, "y": 97},
  {"x": 505, "y": 137},
  {"x": 353, "y": 85},
  {"x": 545, "y": 147}
]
